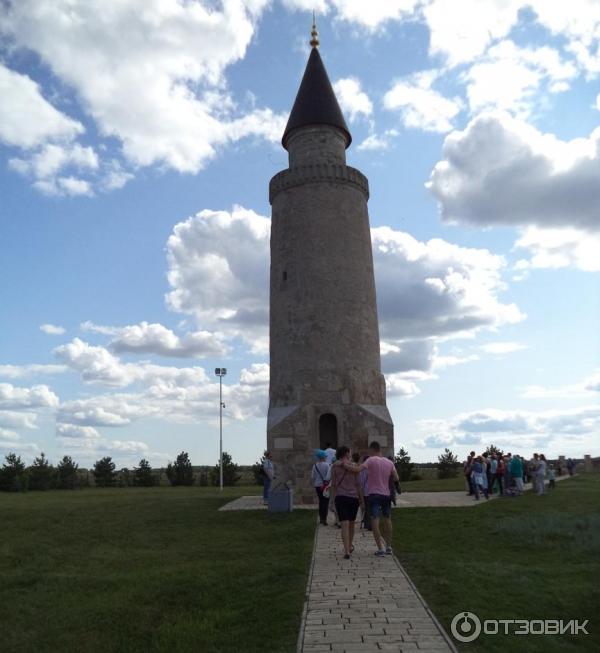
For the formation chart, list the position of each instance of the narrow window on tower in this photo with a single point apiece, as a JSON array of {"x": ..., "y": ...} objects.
[{"x": 284, "y": 276}]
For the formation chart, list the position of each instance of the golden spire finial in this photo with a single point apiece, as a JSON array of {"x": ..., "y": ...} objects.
[{"x": 314, "y": 41}]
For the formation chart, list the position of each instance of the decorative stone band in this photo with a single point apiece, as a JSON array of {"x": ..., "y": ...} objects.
[{"x": 329, "y": 172}]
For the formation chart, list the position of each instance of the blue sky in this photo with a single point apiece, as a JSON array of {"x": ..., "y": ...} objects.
[{"x": 137, "y": 140}]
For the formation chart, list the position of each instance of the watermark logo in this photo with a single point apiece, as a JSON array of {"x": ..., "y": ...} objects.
[{"x": 466, "y": 627}]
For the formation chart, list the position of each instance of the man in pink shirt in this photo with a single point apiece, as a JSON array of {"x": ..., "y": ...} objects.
[{"x": 381, "y": 473}]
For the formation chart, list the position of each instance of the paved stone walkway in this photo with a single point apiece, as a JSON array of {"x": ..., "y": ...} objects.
[
  {"x": 405, "y": 500},
  {"x": 364, "y": 604}
]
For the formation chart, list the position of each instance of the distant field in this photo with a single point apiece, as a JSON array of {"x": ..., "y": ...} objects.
[
  {"x": 525, "y": 557},
  {"x": 156, "y": 569}
]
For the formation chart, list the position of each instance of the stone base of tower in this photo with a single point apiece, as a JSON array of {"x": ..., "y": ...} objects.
[{"x": 294, "y": 432}]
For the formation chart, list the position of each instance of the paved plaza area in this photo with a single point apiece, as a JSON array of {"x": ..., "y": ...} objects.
[{"x": 405, "y": 500}]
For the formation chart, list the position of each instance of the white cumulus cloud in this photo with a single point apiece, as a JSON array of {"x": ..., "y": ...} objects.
[
  {"x": 353, "y": 100},
  {"x": 37, "y": 396},
  {"x": 502, "y": 171},
  {"x": 150, "y": 75},
  {"x": 436, "y": 288},
  {"x": 218, "y": 271},
  {"x": 557, "y": 248},
  {"x": 27, "y": 119},
  {"x": 52, "y": 329},
  {"x": 420, "y": 105},
  {"x": 556, "y": 431},
  {"x": 508, "y": 77},
  {"x": 368, "y": 15},
  {"x": 157, "y": 339},
  {"x": 98, "y": 365}
]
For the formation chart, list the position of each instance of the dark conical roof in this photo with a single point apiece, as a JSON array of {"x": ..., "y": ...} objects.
[{"x": 315, "y": 103}]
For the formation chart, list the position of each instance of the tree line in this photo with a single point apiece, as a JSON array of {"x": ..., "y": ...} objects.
[{"x": 16, "y": 476}]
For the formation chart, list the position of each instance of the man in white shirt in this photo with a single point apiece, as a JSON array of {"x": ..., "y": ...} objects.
[
  {"x": 268, "y": 475},
  {"x": 321, "y": 476}
]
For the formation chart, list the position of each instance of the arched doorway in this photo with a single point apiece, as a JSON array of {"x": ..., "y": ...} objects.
[{"x": 328, "y": 431}]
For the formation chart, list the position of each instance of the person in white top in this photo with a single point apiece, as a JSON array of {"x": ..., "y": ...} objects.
[
  {"x": 268, "y": 475},
  {"x": 540, "y": 474},
  {"x": 321, "y": 477},
  {"x": 329, "y": 454}
]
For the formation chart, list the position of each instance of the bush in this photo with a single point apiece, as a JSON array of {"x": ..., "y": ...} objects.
[
  {"x": 143, "y": 476},
  {"x": 181, "y": 472},
  {"x": 230, "y": 472},
  {"x": 104, "y": 472},
  {"x": 66, "y": 474},
  {"x": 403, "y": 465},
  {"x": 447, "y": 466},
  {"x": 13, "y": 477},
  {"x": 41, "y": 474}
]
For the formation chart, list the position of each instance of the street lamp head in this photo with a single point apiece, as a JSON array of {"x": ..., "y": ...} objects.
[{"x": 220, "y": 371}]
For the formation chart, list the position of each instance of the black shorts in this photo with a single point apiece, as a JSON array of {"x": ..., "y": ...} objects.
[{"x": 346, "y": 508}]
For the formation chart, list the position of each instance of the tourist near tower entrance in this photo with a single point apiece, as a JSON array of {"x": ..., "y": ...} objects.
[{"x": 326, "y": 384}]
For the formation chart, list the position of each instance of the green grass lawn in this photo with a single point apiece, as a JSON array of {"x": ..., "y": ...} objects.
[
  {"x": 160, "y": 569},
  {"x": 434, "y": 485},
  {"x": 156, "y": 569},
  {"x": 526, "y": 557}
]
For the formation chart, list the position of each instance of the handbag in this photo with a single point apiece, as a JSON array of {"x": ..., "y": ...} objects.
[{"x": 324, "y": 484}]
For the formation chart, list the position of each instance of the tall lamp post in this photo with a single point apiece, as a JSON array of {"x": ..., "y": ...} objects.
[{"x": 221, "y": 372}]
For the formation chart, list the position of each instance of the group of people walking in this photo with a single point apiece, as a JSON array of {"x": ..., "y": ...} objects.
[
  {"x": 345, "y": 483},
  {"x": 507, "y": 474}
]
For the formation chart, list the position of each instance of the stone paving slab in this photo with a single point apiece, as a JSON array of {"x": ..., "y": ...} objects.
[{"x": 365, "y": 603}]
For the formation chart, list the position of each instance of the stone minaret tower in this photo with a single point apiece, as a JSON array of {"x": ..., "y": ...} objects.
[{"x": 326, "y": 384}]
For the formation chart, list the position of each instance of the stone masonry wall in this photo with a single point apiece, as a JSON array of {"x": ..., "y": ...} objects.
[{"x": 324, "y": 334}]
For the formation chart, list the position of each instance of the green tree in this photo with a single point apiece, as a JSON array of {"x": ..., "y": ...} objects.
[
  {"x": 13, "y": 477},
  {"x": 104, "y": 472},
  {"x": 181, "y": 472},
  {"x": 447, "y": 465},
  {"x": 125, "y": 477},
  {"x": 143, "y": 476},
  {"x": 403, "y": 465},
  {"x": 230, "y": 472},
  {"x": 493, "y": 449},
  {"x": 66, "y": 474},
  {"x": 41, "y": 474}
]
